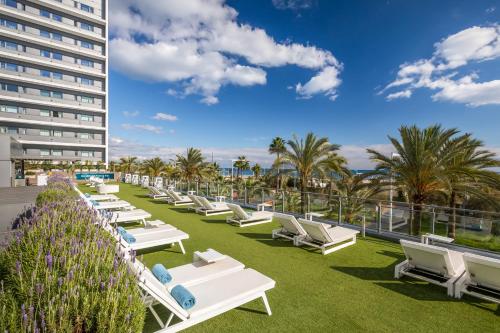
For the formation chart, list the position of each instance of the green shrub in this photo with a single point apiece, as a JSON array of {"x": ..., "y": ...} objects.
[{"x": 61, "y": 272}]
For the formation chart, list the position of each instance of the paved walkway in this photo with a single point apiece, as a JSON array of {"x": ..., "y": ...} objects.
[{"x": 12, "y": 202}]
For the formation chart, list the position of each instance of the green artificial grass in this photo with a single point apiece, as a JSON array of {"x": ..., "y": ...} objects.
[{"x": 352, "y": 290}]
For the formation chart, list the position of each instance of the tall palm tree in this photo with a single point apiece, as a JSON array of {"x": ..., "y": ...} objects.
[
  {"x": 127, "y": 164},
  {"x": 256, "y": 169},
  {"x": 417, "y": 170},
  {"x": 468, "y": 170},
  {"x": 171, "y": 171},
  {"x": 241, "y": 164},
  {"x": 277, "y": 147},
  {"x": 191, "y": 166},
  {"x": 312, "y": 156},
  {"x": 212, "y": 171},
  {"x": 154, "y": 166}
]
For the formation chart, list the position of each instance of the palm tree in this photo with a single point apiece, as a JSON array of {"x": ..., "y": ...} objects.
[
  {"x": 154, "y": 166},
  {"x": 312, "y": 156},
  {"x": 354, "y": 190},
  {"x": 418, "y": 169},
  {"x": 127, "y": 164},
  {"x": 212, "y": 171},
  {"x": 171, "y": 171},
  {"x": 277, "y": 147},
  {"x": 113, "y": 166},
  {"x": 99, "y": 165},
  {"x": 256, "y": 169},
  {"x": 191, "y": 166},
  {"x": 468, "y": 170},
  {"x": 241, "y": 164}
]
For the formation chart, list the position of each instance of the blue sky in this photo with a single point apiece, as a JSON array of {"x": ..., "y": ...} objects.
[{"x": 227, "y": 77}]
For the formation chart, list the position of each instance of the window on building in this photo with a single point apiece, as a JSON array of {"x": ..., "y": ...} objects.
[
  {"x": 9, "y": 109},
  {"x": 56, "y": 114},
  {"x": 87, "y": 99},
  {"x": 85, "y": 117},
  {"x": 84, "y": 136},
  {"x": 87, "y": 63},
  {"x": 87, "y": 81},
  {"x": 44, "y": 132},
  {"x": 9, "y": 66},
  {"x": 57, "y": 133},
  {"x": 9, "y": 45},
  {"x": 45, "y": 93},
  {"x": 56, "y": 152},
  {"x": 45, "y": 113},
  {"x": 57, "y": 36},
  {"x": 12, "y": 130},
  {"x": 57, "y": 17},
  {"x": 9, "y": 24},
  {"x": 45, "y": 53},
  {"x": 86, "y": 45},
  {"x": 44, "y": 152},
  {"x": 44, "y": 13},
  {"x": 57, "y": 76},
  {"x": 45, "y": 33},
  {"x": 86, "y": 26},
  {"x": 44, "y": 73},
  {"x": 21, "y": 131},
  {"x": 3, "y": 130},
  {"x": 87, "y": 8},
  {"x": 86, "y": 153},
  {"x": 11, "y": 3},
  {"x": 57, "y": 56},
  {"x": 10, "y": 87},
  {"x": 57, "y": 94}
]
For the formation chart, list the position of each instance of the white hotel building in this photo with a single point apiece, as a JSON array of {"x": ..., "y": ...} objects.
[{"x": 54, "y": 78}]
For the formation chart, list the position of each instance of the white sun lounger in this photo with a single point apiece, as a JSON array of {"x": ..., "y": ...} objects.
[
  {"x": 481, "y": 278},
  {"x": 212, "y": 208},
  {"x": 290, "y": 228},
  {"x": 102, "y": 197},
  {"x": 178, "y": 200},
  {"x": 431, "y": 263},
  {"x": 213, "y": 297},
  {"x": 244, "y": 219},
  {"x": 198, "y": 271},
  {"x": 156, "y": 193},
  {"x": 150, "y": 229},
  {"x": 155, "y": 238},
  {"x": 118, "y": 204},
  {"x": 326, "y": 237},
  {"x": 196, "y": 202},
  {"x": 129, "y": 216}
]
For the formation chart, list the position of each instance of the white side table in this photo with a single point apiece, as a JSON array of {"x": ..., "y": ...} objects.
[
  {"x": 309, "y": 216},
  {"x": 436, "y": 238},
  {"x": 220, "y": 198},
  {"x": 191, "y": 192},
  {"x": 262, "y": 206}
]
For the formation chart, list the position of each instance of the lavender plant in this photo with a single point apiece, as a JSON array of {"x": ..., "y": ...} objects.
[{"x": 62, "y": 272}]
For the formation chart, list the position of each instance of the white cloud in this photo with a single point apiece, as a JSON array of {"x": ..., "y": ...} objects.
[
  {"x": 116, "y": 140},
  {"x": 130, "y": 113},
  {"x": 165, "y": 116},
  {"x": 325, "y": 82},
  {"x": 200, "y": 45},
  {"x": 441, "y": 72},
  {"x": 490, "y": 10},
  {"x": 293, "y": 4},
  {"x": 143, "y": 127}
]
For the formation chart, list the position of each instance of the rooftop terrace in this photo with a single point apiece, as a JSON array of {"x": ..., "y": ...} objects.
[{"x": 349, "y": 290}]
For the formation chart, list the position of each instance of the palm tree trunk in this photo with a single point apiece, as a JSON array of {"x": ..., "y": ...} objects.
[
  {"x": 302, "y": 195},
  {"x": 415, "y": 222},
  {"x": 453, "y": 222},
  {"x": 278, "y": 177}
]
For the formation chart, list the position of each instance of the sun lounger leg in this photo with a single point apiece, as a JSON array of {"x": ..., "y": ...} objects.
[
  {"x": 399, "y": 268},
  {"x": 157, "y": 317},
  {"x": 182, "y": 247},
  {"x": 169, "y": 319},
  {"x": 266, "y": 304}
]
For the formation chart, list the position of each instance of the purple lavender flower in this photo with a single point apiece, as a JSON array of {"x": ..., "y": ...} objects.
[
  {"x": 39, "y": 288},
  {"x": 31, "y": 311},
  {"x": 60, "y": 282},
  {"x": 18, "y": 266},
  {"x": 102, "y": 285},
  {"x": 48, "y": 260},
  {"x": 70, "y": 275}
]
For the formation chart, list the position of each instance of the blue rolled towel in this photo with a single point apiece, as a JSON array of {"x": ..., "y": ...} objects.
[
  {"x": 95, "y": 203},
  {"x": 121, "y": 231},
  {"x": 128, "y": 238},
  {"x": 87, "y": 195},
  {"x": 185, "y": 299},
  {"x": 161, "y": 273}
]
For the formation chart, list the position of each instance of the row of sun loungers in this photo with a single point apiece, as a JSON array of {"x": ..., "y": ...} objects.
[
  {"x": 211, "y": 285},
  {"x": 460, "y": 273}
]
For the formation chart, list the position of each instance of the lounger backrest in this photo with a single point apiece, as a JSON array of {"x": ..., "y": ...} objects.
[
  {"x": 239, "y": 212},
  {"x": 174, "y": 195},
  {"x": 428, "y": 257},
  {"x": 316, "y": 230},
  {"x": 195, "y": 200},
  {"x": 483, "y": 271},
  {"x": 149, "y": 283},
  {"x": 289, "y": 223},
  {"x": 205, "y": 203}
]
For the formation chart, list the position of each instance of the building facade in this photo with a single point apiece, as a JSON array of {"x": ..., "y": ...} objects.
[{"x": 53, "y": 78}]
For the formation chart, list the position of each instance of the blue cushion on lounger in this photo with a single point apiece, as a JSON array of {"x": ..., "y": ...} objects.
[
  {"x": 95, "y": 203},
  {"x": 87, "y": 195},
  {"x": 128, "y": 238},
  {"x": 121, "y": 231},
  {"x": 161, "y": 273},
  {"x": 185, "y": 299}
]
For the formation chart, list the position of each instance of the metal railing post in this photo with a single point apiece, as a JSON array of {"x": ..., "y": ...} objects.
[
  {"x": 246, "y": 195},
  {"x": 283, "y": 201},
  {"x": 218, "y": 189},
  {"x": 379, "y": 217},
  {"x": 340, "y": 211},
  {"x": 197, "y": 186},
  {"x": 208, "y": 189},
  {"x": 308, "y": 202},
  {"x": 262, "y": 195},
  {"x": 363, "y": 229},
  {"x": 433, "y": 226}
]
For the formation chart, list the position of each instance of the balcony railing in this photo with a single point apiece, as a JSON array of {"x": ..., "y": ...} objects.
[{"x": 59, "y": 102}]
